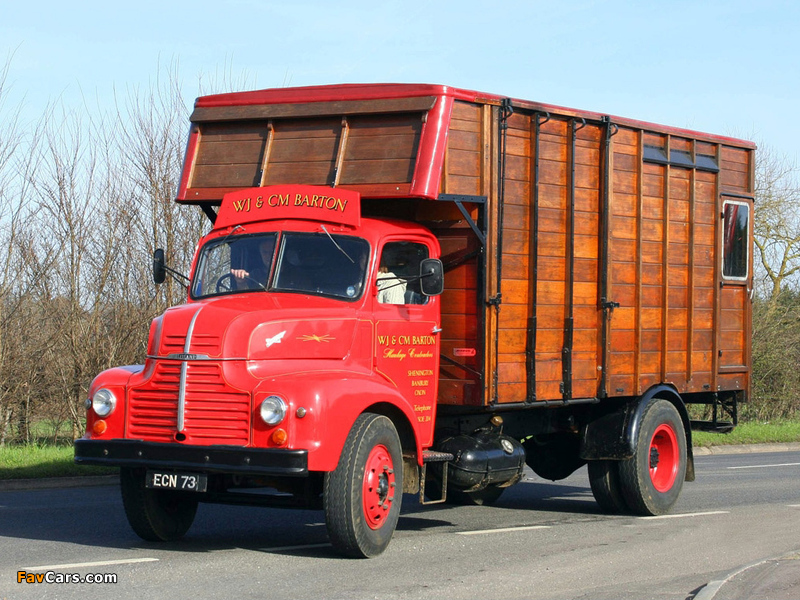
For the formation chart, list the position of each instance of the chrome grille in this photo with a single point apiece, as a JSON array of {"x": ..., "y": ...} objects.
[
  {"x": 210, "y": 345},
  {"x": 214, "y": 412}
]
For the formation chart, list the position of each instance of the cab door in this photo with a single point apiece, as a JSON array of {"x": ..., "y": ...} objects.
[{"x": 407, "y": 326}]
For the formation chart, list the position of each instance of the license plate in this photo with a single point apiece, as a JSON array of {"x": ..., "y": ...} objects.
[{"x": 184, "y": 482}]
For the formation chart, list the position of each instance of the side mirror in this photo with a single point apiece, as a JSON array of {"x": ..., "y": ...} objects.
[
  {"x": 159, "y": 267},
  {"x": 431, "y": 277}
]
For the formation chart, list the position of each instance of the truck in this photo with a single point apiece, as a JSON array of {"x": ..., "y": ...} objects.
[{"x": 421, "y": 289}]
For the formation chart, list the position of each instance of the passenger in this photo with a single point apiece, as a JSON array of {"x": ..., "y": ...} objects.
[{"x": 391, "y": 289}]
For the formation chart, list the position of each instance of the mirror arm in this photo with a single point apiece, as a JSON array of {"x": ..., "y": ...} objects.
[{"x": 175, "y": 274}]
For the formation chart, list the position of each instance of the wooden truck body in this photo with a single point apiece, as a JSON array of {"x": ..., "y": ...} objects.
[{"x": 597, "y": 276}]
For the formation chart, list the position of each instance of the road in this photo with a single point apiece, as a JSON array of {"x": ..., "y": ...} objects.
[{"x": 541, "y": 540}]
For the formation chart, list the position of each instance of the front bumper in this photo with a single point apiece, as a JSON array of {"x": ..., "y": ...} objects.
[{"x": 206, "y": 459}]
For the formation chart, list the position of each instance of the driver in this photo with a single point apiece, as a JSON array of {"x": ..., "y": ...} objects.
[{"x": 257, "y": 276}]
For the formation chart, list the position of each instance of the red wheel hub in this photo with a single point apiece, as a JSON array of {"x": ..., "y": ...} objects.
[
  {"x": 379, "y": 486},
  {"x": 664, "y": 458}
]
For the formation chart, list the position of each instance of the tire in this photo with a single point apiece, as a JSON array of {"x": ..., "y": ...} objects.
[
  {"x": 155, "y": 515},
  {"x": 485, "y": 497},
  {"x": 363, "y": 495},
  {"x": 604, "y": 479},
  {"x": 652, "y": 479}
]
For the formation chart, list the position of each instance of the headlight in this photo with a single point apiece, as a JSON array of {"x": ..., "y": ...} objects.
[
  {"x": 103, "y": 402},
  {"x": 273, "y": 410}
]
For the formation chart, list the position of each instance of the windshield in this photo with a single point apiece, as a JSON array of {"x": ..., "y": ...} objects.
[
  {"x": 234, "y": 264},
  {"x": 318, "y": 263},
  {"x": 327, "y": 265}
]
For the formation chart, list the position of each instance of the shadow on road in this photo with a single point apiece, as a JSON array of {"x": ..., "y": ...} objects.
[{"x": 95, "y": 517}]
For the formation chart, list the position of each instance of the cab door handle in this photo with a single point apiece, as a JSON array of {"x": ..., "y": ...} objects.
[{"x": 437, "y": 330}]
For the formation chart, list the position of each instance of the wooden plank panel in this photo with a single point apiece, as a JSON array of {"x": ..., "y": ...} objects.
[
  {"x": 469, "y": 186},
  {"x": 304, "y": 173},
  {"x": 460, "y": 326},
  {"x": 303, "y": 150},
  {"x": 552, "y": 268},
  {"x": 626, "y": 140},
  {"x": 517, "y": 168},
  {"x": 214, "y": 176},
  {"x": 516, "y": 241},
  {"x": 518, "y": 146},
  {"x": 515, "y": 291},
  {"x": 733, "y": 297},
  {"x": 552, "y": 173},
  {"x": 625, "y": 205},
  {"x": 377, "y": 171},
  {"x": 552, "y": 196},
  {"x": 229, "y": 152},
  {"x": 380, "y": 147},
  {"x": 464, "y": 140},
  {"x": 734, "y": 180},
  {"x": 385, "y": 125},
  {"x": 552, "y": 244},
  {"x": 515, "y": 266},
  {"x": 553, "y": 149},
  {"x": 461, "y": 162}
]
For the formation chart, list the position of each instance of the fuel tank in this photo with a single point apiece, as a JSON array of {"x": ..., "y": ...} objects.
[{"x": 485, "y": 457}]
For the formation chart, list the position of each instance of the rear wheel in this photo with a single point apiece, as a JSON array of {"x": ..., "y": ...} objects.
[
  {"x": 155, "y": 515},
  {"x": 362, "y": 497},
  {"x": 604, "y": 479},
  {"x": 652, "y": 479}
]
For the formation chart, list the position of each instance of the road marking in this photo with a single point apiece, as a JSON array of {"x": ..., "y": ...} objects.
[
  {"x": 503, "y": 530},
  {"x": 289, "y": 548},
  {"x": 793, "y": 505},
  {"x": 682, "y": 515},
  {"x": 767, "y": 466},
  {"x": 586, "y": 498},
  {"x": 102, "y": 563}
]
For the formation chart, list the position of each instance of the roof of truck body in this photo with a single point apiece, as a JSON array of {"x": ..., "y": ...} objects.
[{"x": 383, "y": 91}]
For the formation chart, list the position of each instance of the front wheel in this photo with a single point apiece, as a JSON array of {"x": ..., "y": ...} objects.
[
  {"x": 362, "y": 496},
  {"x": 652, "y": 479},
  {"x": 155, "y": 515}
]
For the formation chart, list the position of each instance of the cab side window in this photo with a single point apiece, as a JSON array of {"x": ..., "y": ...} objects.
[{"x": 398, "y": 273}]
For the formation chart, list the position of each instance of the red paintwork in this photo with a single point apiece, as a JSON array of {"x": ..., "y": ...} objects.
[
  {"x": 665, "y": 443},
  {"x": 432, "y": 146},
  {"x": 335, "y": 359},
  {"x": 379, "y": 486},
  {"x": 115, "y": 380},
  {"x": 306, "y": 202}
]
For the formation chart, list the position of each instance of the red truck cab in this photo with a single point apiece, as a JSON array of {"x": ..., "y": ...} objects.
[{"x": 301, "y": 317}]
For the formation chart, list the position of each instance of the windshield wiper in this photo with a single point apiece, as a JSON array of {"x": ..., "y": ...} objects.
[{"x": 330, "y": 237}]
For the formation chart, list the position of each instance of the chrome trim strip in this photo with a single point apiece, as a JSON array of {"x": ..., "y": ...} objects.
[
  {"x": 184, "y": 368},
  {"x": 184, "y": 356},
  {"x": 195, "y": 357}
]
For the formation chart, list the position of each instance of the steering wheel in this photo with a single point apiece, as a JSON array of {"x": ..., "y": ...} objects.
[{"x": 226, "y": 283}]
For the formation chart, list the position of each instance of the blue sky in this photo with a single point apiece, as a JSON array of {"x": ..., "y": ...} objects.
[{"x": 728, "y": 67}]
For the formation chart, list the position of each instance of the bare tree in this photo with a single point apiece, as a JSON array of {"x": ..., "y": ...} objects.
[
  {"x": 15, "y": 165},
  {"x": 153, "y": 129},
  {"x": 777, "y": 222}
]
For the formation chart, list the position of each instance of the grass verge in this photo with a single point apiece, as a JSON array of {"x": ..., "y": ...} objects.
[
  {"x": 751, "y": 433},
  {"x": 32, "y": 461}
]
